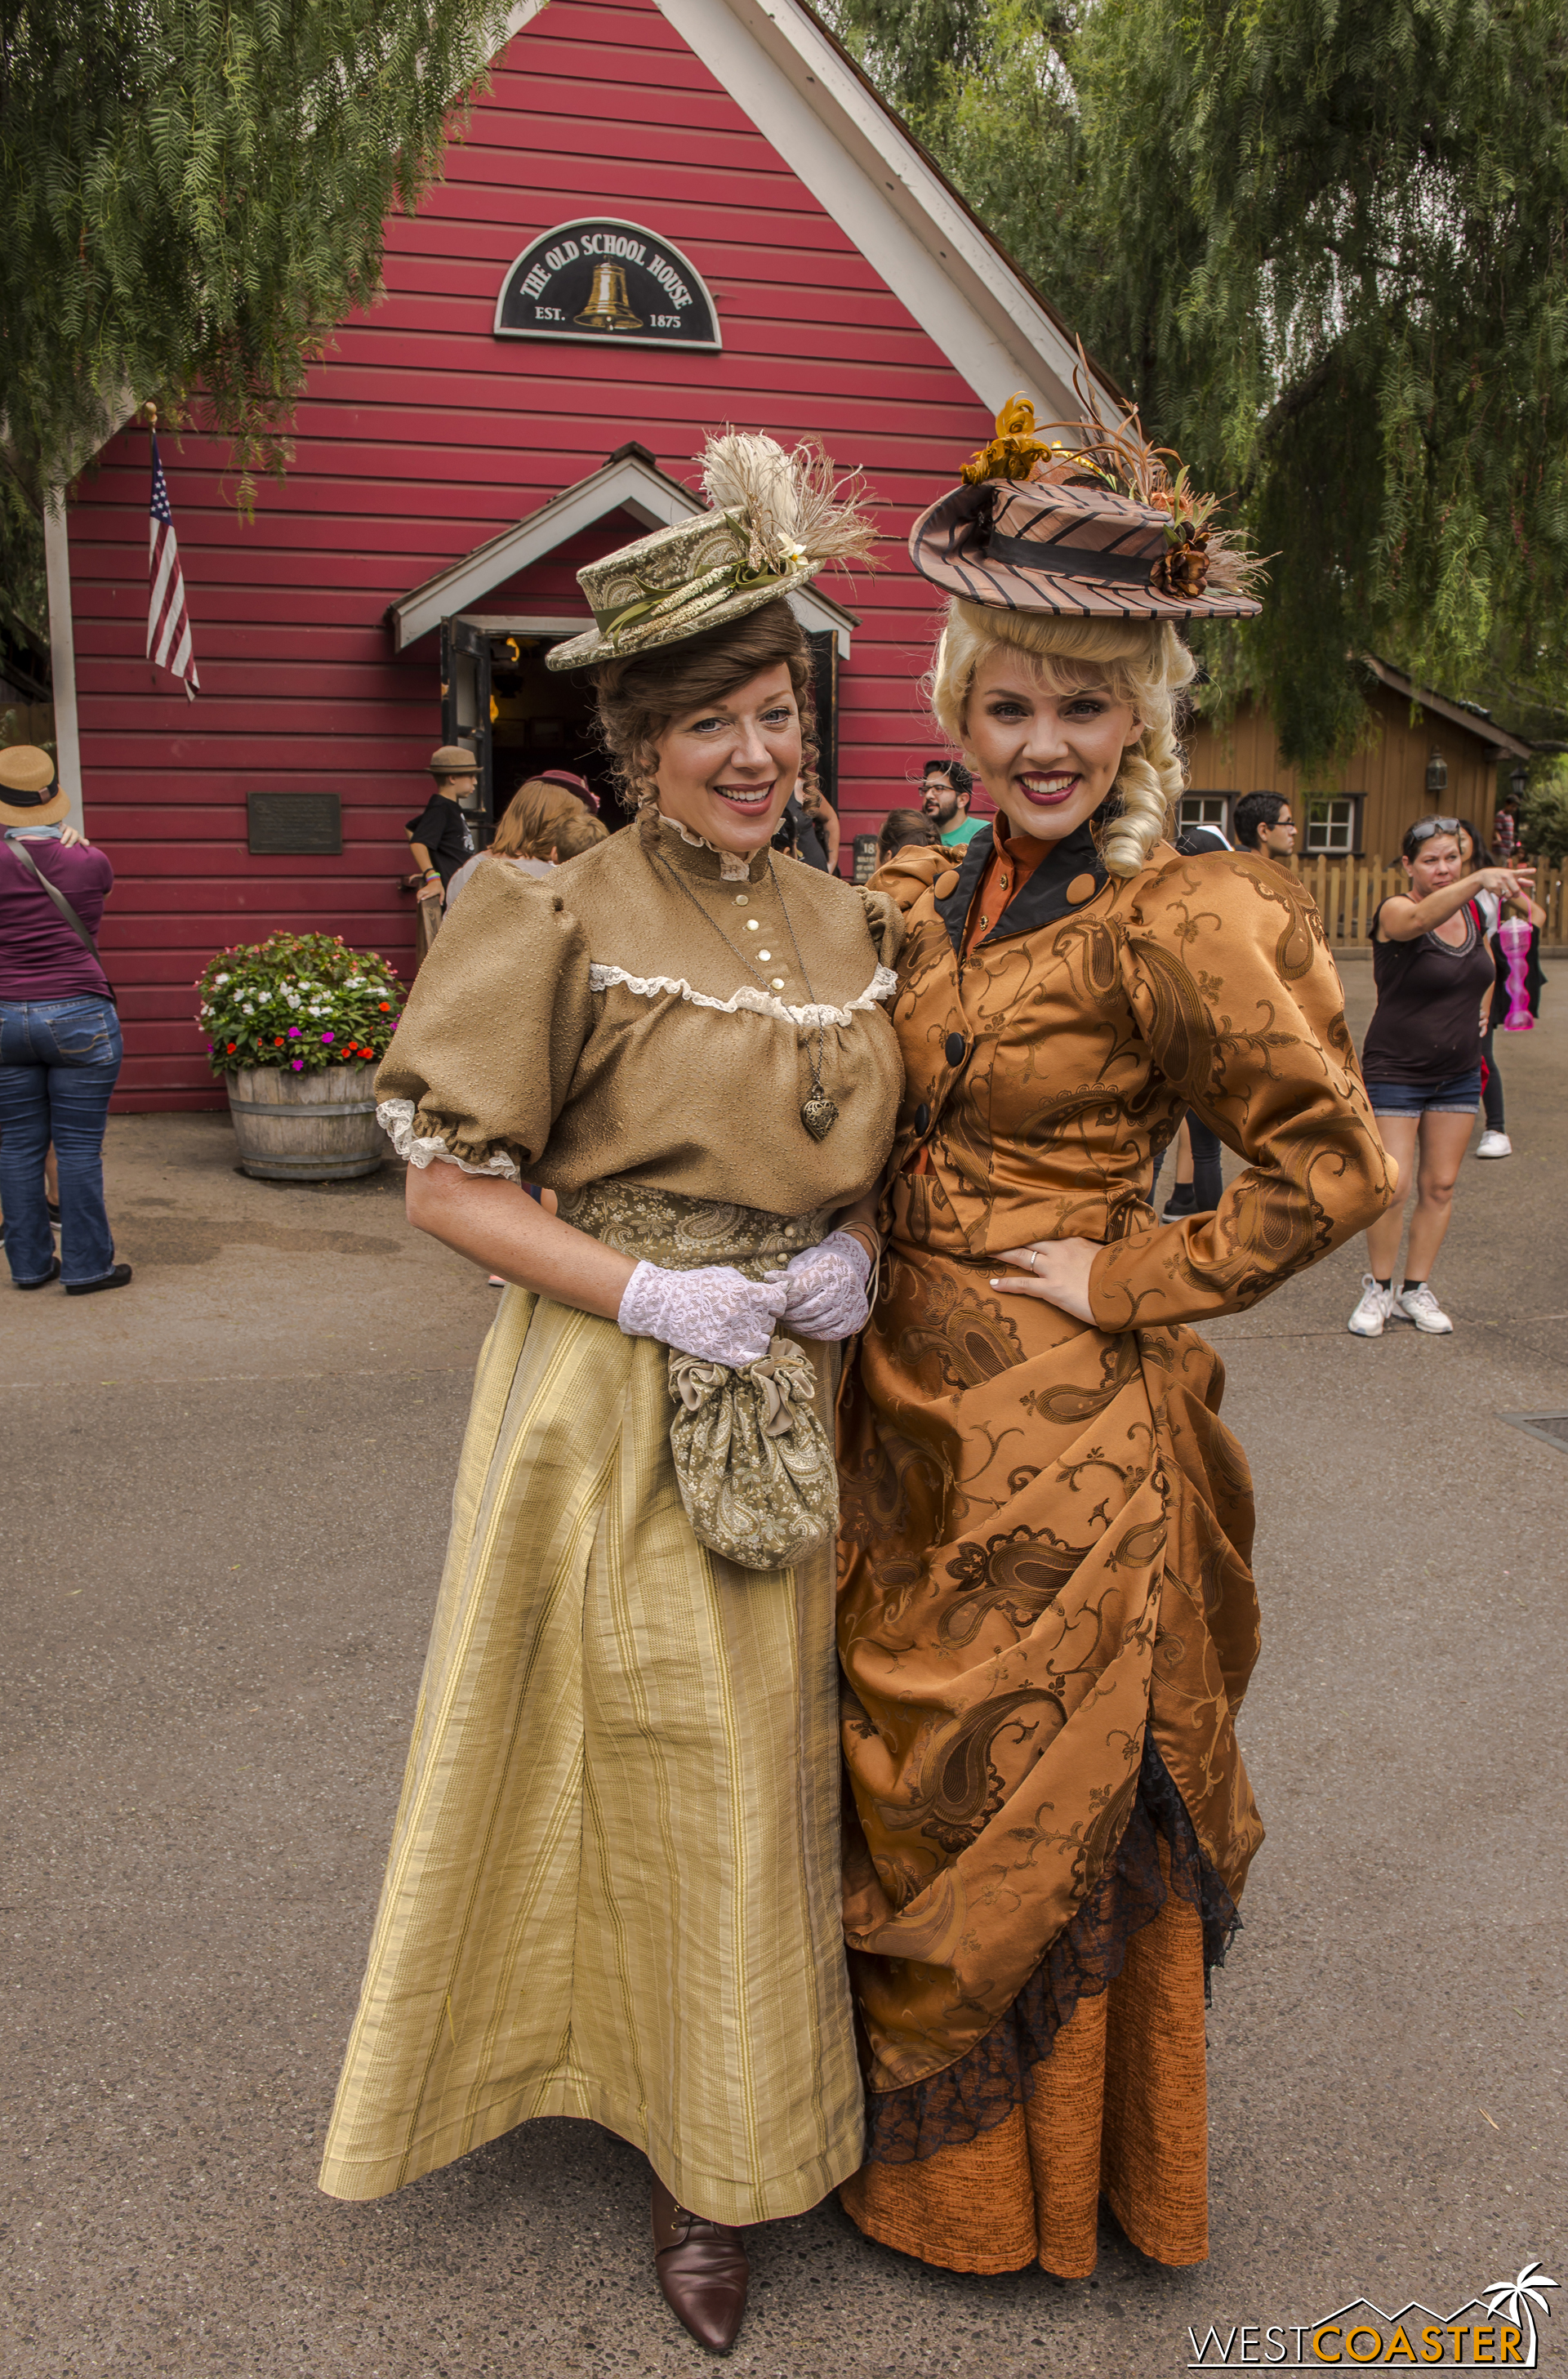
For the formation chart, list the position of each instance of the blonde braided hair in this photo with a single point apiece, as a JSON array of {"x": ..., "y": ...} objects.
[{"x": 1142, "y": 662}]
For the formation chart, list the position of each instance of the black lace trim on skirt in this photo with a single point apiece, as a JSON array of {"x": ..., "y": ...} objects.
[{"x": 980, "y": 2091}]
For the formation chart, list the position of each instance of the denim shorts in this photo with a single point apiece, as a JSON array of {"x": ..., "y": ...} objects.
[{"x": 1460, "y": 1094}]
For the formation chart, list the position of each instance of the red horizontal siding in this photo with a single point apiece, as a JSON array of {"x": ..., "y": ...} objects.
[{"x": 419, "y": 437}]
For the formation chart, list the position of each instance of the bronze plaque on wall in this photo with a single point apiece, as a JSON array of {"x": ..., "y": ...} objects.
[
  {"x": 608, "y": 283},
  {"x": 296, "y": 825}
]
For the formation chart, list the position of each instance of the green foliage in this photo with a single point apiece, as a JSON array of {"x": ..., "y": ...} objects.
[
  {"x": 1326, "y": 250},
  {"x": 193, "y": 193},
  {"x": 1543, "y": 817},
  {"x": 304, "y": 1001}
]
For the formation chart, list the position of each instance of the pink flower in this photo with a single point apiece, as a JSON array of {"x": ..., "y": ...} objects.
[
  {"x": 294, "y": 1032},
  {"x": 298, "y": 1064},
  {"x": 329, "y": 1036}
]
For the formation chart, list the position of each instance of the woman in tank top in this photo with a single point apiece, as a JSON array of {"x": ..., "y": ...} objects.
[{"x": 1422, "y": 1058}]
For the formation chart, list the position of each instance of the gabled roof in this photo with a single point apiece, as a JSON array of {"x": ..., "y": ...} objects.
[
  {"x": 805, "y": 95},
  {"x": 630, "y": 481},
  {"x": 1466, "y": 715}
]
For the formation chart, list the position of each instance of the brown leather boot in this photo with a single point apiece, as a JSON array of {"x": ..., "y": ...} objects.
[{"x": 702, "y": 2269}]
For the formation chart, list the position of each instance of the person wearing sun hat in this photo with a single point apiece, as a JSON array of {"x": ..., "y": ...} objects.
[
  {"x": 60, "y": 1047},
  {"x": 613, "y": 1889},
  {"x": 1046, "y": 1614}
]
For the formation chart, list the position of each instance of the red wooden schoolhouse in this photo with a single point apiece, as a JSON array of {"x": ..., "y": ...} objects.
[{"x": 663, "y": 216}]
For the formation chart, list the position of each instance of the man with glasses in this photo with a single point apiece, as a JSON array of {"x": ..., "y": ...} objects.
[
  {"x": 1264, "y": 823},
  {"x": 945, "y": 793}
]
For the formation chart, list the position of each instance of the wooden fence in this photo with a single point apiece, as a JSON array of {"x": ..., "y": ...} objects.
[{"x": 1348, "y": 890}]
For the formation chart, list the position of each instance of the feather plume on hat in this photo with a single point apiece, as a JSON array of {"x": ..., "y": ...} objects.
[{"x": 795, "y": 510}]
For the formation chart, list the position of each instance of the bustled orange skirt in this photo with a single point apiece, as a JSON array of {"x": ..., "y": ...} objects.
[
  {"x": 1119, "y": 2110},
  {"x": 1047, "y": 1621}
]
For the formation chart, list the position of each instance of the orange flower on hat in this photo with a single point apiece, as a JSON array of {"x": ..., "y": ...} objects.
[{"x": 1014, "y": 450}]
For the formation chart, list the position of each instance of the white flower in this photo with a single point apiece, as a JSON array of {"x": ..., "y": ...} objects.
[
  {"x": 245, "y": 1008},
  {"x": 220, "y": 978}
]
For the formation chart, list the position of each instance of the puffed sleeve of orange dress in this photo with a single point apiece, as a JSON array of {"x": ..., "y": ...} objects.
[{"x": 1240, "y": 1004}]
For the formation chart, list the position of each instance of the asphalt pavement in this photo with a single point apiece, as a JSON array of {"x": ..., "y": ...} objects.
[{"x": 225, "y": 1499}]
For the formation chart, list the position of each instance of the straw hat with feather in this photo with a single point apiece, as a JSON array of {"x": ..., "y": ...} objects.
[{"x": 776, "y": 520}]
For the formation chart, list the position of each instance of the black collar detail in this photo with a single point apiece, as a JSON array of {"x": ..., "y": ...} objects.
[
  {"x": 954, "y": 910},
  {"x": 1043, "y": 896},
  {"x": 1040, "y": 901}
]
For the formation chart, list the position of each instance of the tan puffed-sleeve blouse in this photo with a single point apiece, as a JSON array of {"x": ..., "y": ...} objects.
[{"x": 597, "y": 1024}]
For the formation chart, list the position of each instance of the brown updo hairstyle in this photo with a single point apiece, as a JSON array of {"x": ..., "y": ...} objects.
[
  {"x": 533, "y": 819},
  {"x": 639, "y": 695}
]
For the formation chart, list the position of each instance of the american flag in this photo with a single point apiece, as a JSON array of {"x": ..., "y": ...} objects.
[{"x": 168, "y": 621}]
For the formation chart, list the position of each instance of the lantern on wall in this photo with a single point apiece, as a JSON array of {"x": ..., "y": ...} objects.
[{"x": 1437, "y": 774}]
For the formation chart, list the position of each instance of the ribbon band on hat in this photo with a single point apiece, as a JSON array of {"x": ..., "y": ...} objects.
[
  {"x": 1070, "y": 561},
  {"x": 702, "y": 593}
]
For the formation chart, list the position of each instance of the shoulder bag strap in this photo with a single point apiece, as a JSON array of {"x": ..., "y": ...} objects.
[{"x": 63, "y": 906}]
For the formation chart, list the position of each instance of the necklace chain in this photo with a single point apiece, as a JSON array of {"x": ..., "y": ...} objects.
[{"x": 681, "y": 886}]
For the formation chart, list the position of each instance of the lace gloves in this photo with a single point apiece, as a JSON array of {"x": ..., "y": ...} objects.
[
  {"x": 719, "y": 1315},
  {"x": 714, "y": 1312},
  {"x": 826, "y": 1287}
]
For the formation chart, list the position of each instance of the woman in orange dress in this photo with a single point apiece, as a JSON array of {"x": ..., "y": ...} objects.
[{"x": 1047, "y": 1618}]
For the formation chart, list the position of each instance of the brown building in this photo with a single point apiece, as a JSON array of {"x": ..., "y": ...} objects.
[{"x": 1424, "y": 753}]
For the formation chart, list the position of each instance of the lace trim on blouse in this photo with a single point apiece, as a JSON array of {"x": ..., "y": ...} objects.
[
  {"x": 397, "y": 1120},
  {"x": 733, "y": 867},
  {"x": 883, "y": 985}
]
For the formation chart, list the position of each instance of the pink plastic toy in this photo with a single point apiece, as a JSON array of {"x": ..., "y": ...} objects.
[{"x": 1514, "y": 935}]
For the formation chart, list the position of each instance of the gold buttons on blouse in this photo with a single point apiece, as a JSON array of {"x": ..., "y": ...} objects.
[
  {"x": 778, "y": 982},
  {"x": 741, "y": 901},
  {"x": 764, "y": 956},
  {"x": 1003, "y": 882},
  {"x": 753, "y": 926}
]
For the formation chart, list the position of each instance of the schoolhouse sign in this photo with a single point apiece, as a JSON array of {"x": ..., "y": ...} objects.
[{"x": 605, "y": 280}]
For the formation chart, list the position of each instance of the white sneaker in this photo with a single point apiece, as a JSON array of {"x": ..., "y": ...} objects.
[
  {"x": 1368, "y": 1319},
  {"x": 1420, "y": 1305},
  {"x": 1494, "y": 1144}
]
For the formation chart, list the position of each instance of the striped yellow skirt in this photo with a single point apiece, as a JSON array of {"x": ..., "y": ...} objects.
[{"x": 613, "y": 1886}]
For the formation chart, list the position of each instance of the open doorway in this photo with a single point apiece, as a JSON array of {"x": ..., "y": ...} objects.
[{"x": 542, "y": 719}]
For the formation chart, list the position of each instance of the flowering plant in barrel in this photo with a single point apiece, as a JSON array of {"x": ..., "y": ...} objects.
[{"x": 299, "y": 1001}]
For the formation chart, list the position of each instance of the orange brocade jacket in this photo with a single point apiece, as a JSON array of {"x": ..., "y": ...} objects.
[{"x": 1046, "y": 1616}]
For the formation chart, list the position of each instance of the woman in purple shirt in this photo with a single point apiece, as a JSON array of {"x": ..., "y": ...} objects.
[{"x": 59, "y": 1035}]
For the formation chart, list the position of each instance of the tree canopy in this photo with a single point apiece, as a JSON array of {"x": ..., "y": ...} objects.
[
  {"x": 1325, "y": 250},
  {"x": 193, "y": 192}
]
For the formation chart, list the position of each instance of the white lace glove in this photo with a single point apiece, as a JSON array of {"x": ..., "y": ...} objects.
[
  {"x": 714, "y": 1312},
  {"x": 826, "y": 1287}
]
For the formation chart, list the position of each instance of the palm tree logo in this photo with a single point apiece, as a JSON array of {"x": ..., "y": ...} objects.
[{"x": 1516, "y": 2300}]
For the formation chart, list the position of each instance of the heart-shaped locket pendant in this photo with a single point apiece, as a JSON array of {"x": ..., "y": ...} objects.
[{"x": 819, "y": 1114}]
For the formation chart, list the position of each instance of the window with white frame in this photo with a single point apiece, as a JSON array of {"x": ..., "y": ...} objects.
[
  {"x": 1212, "y": 810},
  {"x": 1334, "y": 824}
]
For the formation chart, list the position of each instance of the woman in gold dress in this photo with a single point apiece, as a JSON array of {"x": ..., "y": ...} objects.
[
  {"x": 613, "y": 1891},
  {"x": 1046, "y": 1614}
]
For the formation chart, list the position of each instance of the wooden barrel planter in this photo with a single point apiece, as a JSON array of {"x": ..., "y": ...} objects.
[{"x": 306, "y": 1126}]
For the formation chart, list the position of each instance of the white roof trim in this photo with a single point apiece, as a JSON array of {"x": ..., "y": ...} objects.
[
  {"x": 854, "y": 156},
  {"x": 627, "y": 483}
]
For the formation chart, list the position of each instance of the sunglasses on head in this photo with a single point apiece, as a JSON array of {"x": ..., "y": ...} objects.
[{"x": 1428, "y": 826}]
